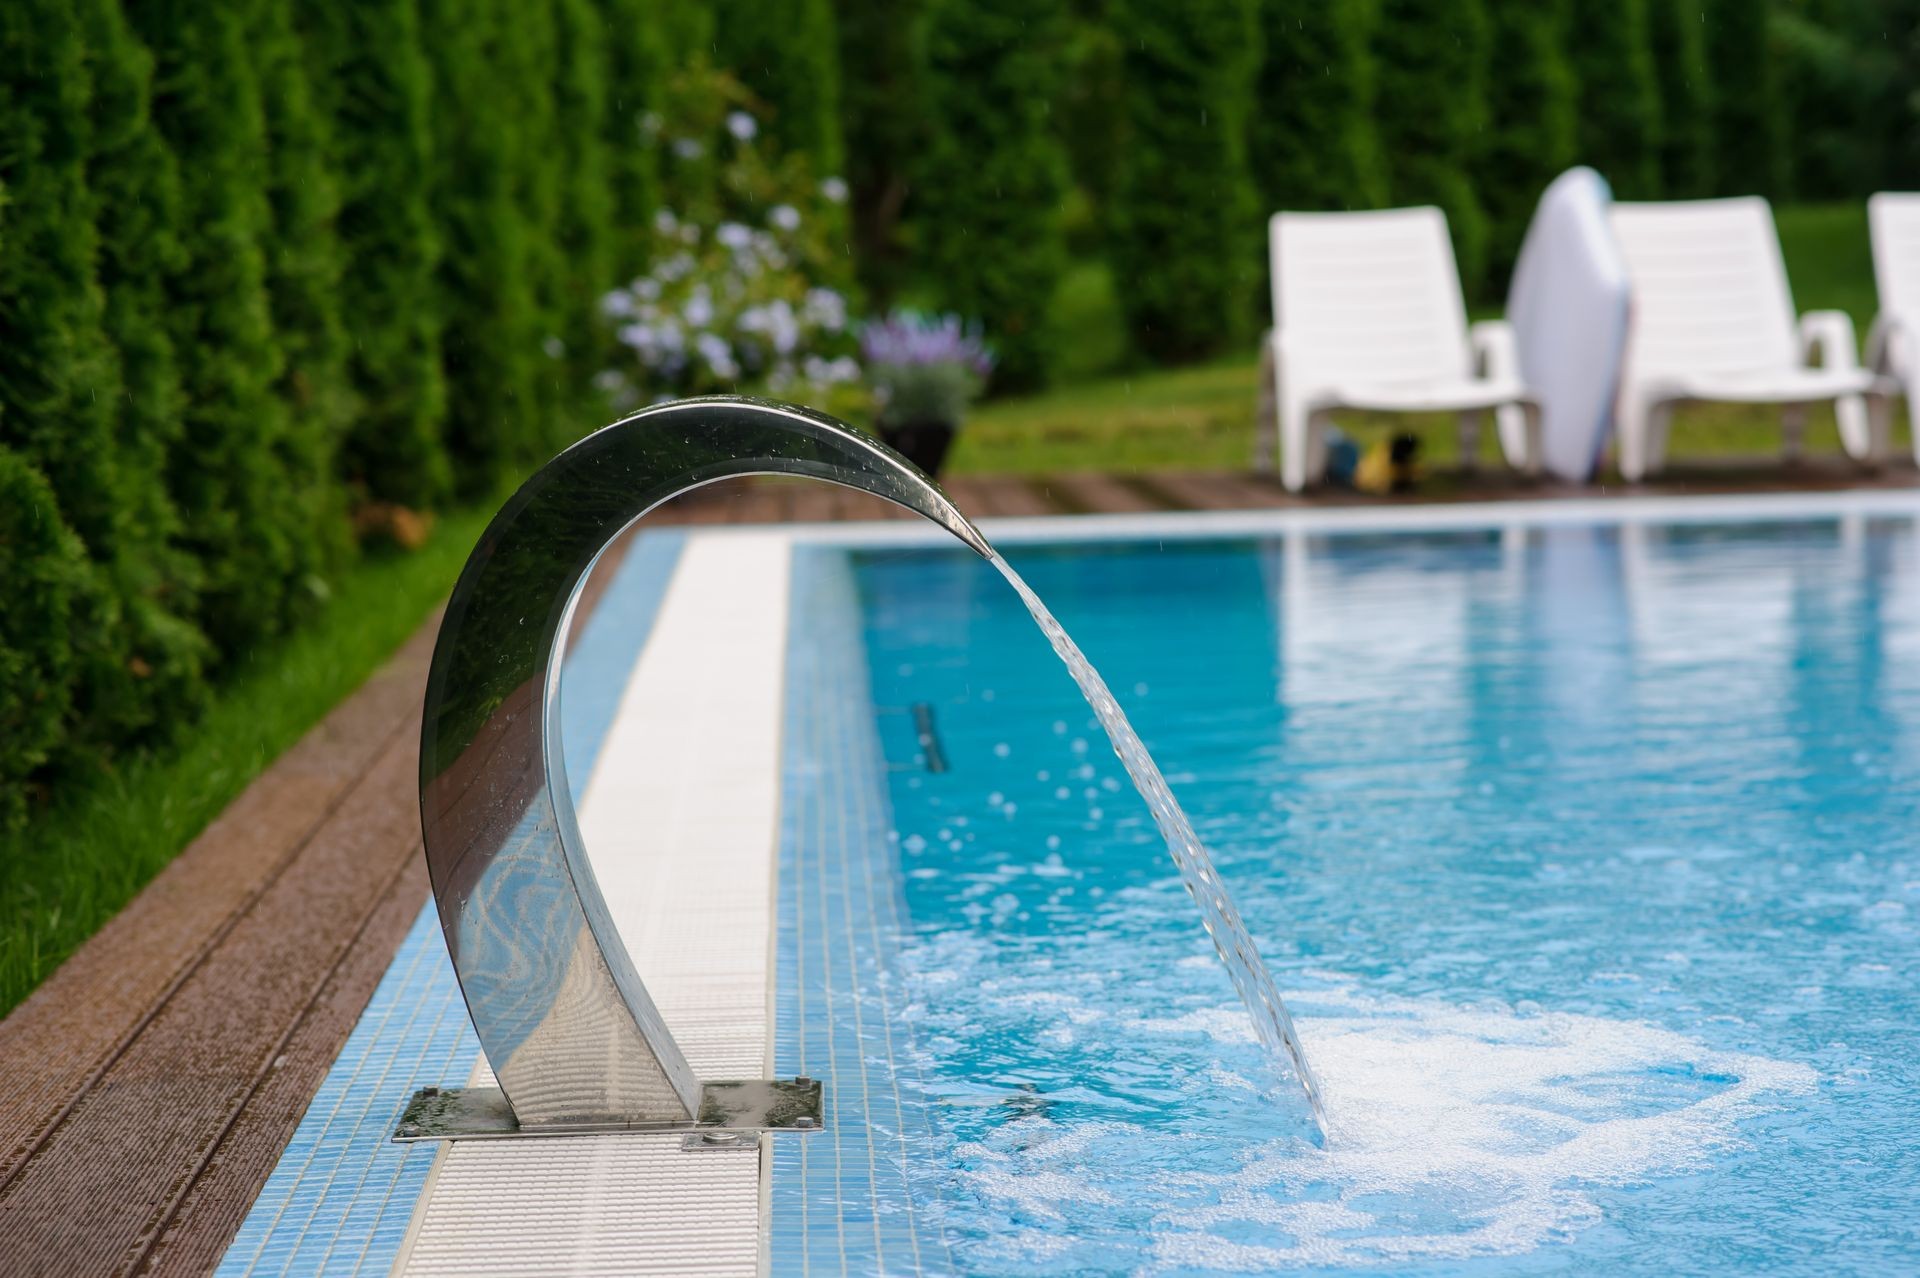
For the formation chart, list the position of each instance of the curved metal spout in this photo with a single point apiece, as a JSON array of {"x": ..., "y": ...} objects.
[{"x": 562, "y": 1015}]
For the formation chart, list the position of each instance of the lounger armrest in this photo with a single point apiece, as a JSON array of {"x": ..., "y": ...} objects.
[
  {"x": 1829, "y": 334},
  {"x": 1888, "y": 341},
  {"x": 1496, "y": 351}
]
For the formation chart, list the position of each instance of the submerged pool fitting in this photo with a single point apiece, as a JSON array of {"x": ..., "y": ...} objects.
[{"x": 563, "y": 1016}]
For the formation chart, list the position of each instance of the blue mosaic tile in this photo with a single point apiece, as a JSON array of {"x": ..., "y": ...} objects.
[{"x": 849, "y": 1199}]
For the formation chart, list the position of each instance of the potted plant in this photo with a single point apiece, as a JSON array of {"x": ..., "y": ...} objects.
[{"x": 924, "y": 370}]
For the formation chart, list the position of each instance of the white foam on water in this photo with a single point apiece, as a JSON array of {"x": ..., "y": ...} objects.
[{"x": 1453, "y": 1132}]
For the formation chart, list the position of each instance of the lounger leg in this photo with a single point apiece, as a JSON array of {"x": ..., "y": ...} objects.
[
  {"x": 1294, "y": 432},
  {"x": 1630, "y": 437},
  {"x": 1793, "y": 431},
  {"x": 1266, "y": 411},
  {"x": 1317, "y": 426},
  {"x": 1535, "y": 458},
  {"x": 1659, "y": 430},
  {"x": 1469, "y": 440},
  {"x": 1879, "y": 410},
  {"x": 1850, "y": 413}
]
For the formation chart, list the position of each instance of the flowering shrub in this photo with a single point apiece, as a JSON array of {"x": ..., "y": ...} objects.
[
  {"x": 924, "y": 368},
  {"x": 743, "y": 291}
]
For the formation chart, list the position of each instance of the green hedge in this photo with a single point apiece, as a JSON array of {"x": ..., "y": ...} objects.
[
  {"x": 1619, "y": 94},
  {"x": 1185, "y": 223},
  {"x": 1748, "y": 114},
  {"x": 1432, "y": 112},
  {"x": 992, "y": 178},
  {"x": 1532, "y": 123},
  {"x": 1678, "y": 36},
  {"x": 372, "y": 82},
  {"x": 1312, "y": 138}
]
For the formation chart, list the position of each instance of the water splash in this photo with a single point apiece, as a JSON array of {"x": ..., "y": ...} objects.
[{"x": 1218, "y": 914}]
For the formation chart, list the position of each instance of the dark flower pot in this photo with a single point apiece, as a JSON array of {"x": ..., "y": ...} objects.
[{"x": 924, "y": 444}]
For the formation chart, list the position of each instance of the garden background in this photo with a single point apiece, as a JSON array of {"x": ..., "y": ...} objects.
[{"x": 283, "y": 282}]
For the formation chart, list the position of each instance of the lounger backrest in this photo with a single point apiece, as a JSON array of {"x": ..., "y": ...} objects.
[
  {"x": 1709, "y": 287},
  {"x": 1893, "y": 222},
  {"x": 1369, "y": 296}
]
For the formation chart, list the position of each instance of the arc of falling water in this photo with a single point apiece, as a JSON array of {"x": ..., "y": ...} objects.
[{"x": 565, "y": 1020}]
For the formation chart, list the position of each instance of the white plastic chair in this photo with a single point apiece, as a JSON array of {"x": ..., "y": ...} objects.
[
  {"x": 1713, "y": 321},
  {"x": 1893, "y": 343},
  {"x": 1367, "y": 315}
]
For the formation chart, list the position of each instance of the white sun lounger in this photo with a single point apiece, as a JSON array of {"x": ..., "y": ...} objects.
[
  {"x": 1713, "y": 321},
  {"x": 1893, "y": 343},
  {"x": 1368, "y": 315}
]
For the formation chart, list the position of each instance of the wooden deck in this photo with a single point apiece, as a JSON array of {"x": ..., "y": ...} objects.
[{"x": 153, "y": 1081}]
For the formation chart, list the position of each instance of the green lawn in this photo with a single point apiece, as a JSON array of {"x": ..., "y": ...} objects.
[
  {"x": 75, "y": 865},
  {"x": 1102, "y": 417}
]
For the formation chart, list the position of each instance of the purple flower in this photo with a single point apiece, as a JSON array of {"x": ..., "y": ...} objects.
[{"x": 909, "y": 339}]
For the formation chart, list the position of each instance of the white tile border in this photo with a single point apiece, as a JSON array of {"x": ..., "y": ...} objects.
[
  {"x": 681, "y": 821},
  {"x": 1705, "y": 508}
]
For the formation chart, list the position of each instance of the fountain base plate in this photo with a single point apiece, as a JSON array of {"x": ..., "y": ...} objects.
[{"x": 732, "y": 1105}]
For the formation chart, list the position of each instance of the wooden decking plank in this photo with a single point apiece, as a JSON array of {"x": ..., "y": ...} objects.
[
  {"x": 215, "y": 1203},
  {"x": 88, "y": 1010},
  {"x": 132, "y": 1147},
  {"x": 1099, "y": 494}
]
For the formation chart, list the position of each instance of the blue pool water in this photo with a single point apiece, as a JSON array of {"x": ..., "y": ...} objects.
[{"x": 1585, "y": 856}]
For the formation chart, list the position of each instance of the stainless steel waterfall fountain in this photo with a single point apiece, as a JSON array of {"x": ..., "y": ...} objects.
[{"x": 563, "y": 1017}]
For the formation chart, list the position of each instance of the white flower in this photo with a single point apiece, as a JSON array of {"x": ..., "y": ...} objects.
[
  {"x": 834, "y": 189},
  {"x": 650, "y": 124},
  {"x": 698, "y": 308},
  {"x": 733, "y": 235},
  {"x": 554, "y": 347},
  {"x": 718, "y": 355},
  {"x": 638, "y": 336},
  {"x": 617, "y": 304},
  {"x": 677, "y": 267},
  {"x": 826, "y": 309},
  {"x": 742, "y": 126},
  {"x": 688, "y": 148},
  {"x": 783, "y": 326},
  {"x": 647, "y": 290},
  {"x": 785, "y": 216},
  {"x": 665, "y": 222}
]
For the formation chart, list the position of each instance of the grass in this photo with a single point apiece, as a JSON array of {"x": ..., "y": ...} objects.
[
  {"x": 77, "y": 863},
  {"x": 1104, "y": 417}
]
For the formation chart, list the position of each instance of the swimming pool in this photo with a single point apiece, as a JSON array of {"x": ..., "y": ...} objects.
[{"x": 1584, "y": 852}]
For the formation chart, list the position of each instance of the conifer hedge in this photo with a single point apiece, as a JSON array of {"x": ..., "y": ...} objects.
[
  {"x": 60, "y": 389},
  {"x": 1748, "y": 119},
  {"x": 994, "y": 173},
  {"x": 1185, "y": 225},
  {"x": 787, "y": 54},
  {"x": 1432, "y": 109},
  {"x": 242, "y": 513},
  {"x": 45, "y": 568},
  {"x": 1312, "y": 138},
  {"x": 135, "y": 190},
  {"x": 489, "y": 339},
  {"x": 1619, "y": 94},
  {"x": 1678, "y": 35},
  {"x": 372, "y": 83},
  {"x": 1532, "y": 122}
]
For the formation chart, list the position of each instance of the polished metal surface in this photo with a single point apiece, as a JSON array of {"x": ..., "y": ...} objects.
[
  {"x": 731, "y": 1111},
  {"x": 562, "y": 1015}
]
